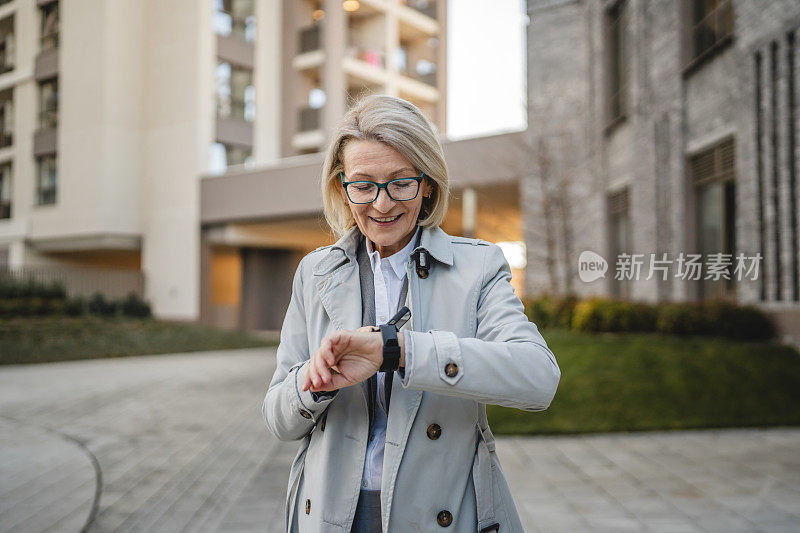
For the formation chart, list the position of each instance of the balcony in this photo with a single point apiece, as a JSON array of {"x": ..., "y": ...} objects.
[
  {"x": 6, "y": 139},
  {"x": 309, "y": 134},
  {"x": 5, "y": 209},
  {"x": 48, "y": 118},
  {"x": 426, "y": 7},
  {"x": 309, "y": 119},
  {"x": 7, "y": 47},
  {"x": 49, "y": 41},
  {"x": 309, "y": 39}
]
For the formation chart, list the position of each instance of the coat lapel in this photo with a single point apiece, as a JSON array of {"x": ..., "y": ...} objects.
[{"x": 338, "y": 283}]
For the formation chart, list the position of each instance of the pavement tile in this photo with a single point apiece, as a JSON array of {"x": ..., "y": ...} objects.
[{"x": 181, "y": 445}]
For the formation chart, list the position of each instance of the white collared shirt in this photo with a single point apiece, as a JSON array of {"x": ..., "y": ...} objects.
[{"x": 388, "y": 274}]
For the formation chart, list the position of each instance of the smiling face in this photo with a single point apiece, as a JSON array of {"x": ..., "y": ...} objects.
[{"x": 387, "y": 223}]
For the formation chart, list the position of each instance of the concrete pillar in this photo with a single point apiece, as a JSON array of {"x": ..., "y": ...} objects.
[{"x": 469, "y": 211}]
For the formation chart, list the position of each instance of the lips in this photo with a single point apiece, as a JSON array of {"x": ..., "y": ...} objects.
[{"x": 386, "y": 222}]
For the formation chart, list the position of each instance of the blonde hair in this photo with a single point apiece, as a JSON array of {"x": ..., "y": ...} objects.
[{"x": 400, "y": 125}]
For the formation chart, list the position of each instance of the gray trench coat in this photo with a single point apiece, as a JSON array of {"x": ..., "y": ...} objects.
[{"x": 440, "y": 469}]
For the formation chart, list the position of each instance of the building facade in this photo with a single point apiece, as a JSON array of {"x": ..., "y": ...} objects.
[
  {"x": 659, "y": 129},
  {"x": 113, "y": 115}
]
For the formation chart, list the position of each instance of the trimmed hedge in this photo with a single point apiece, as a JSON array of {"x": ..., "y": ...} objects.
[
  {"x": 27, "y": 298},
  {"x": 713, "y": 318}
]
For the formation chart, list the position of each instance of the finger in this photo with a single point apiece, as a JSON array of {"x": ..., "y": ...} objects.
[
  {"x": 322, "y": 369},
  {"x": 313, "y": 379},
  {"x": 306, "y": 382},
  {"x": 328, "y": 356}
]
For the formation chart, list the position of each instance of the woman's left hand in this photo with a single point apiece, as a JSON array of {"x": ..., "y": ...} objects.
[{"x": 355, "y": 355}]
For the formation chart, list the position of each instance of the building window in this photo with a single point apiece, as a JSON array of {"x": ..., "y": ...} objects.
[
  {"x": 48, "y": 104},
  {"x": 5, "y": 190},
  {"x": 709, "y": 26},
  {"x": 714, "y": 183},
  {"x": 49, "y": 26},
  {"x": 6, "y": 118},
  {"x": 235, "y": 17},
  {"x": 236, "y": 94},
  {"x": 617, "y": 62},
  {"x": 7, "y": 45},
  {"x": 620, "y": 229},
  {"x": 46, "y": 180}
]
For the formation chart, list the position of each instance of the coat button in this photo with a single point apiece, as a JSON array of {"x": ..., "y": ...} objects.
[
  {"x": 444, "y": 518},
  {"x": 308, "y": 506},
  {"x": 305, "y": 413},
  {"x": 451, "y": 369},
  {"x": 434, "y": 431},
  {"x": 322, "y": 424}
]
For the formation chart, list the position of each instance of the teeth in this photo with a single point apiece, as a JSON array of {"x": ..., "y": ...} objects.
[{"x": 386, "y": 219}]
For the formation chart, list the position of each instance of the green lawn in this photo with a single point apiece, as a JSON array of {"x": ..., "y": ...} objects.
[
  {"x": 609, "y": 382},
  {"x": 619, "y": 382},
  {"x": 46, "y": 339}
]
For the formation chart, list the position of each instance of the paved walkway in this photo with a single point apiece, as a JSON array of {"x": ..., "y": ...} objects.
[{"x": 176, "y": 443}]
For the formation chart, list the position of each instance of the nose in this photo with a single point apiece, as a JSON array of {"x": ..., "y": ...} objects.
[{"x": 383, "y": 203}]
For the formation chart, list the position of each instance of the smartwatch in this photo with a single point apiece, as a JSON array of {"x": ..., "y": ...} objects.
[{"x": 391, "y": 348}]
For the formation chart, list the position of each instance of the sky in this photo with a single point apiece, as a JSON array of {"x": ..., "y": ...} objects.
[{"x": 485, "y": 67}]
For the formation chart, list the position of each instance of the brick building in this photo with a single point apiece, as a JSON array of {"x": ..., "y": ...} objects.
[{"x": 663, "y": 127}]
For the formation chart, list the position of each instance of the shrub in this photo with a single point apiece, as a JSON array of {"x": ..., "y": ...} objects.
[
  {"x": 135, "y": 306},
  {"x": 562, "y": 309},
  {"x": 9, "y": 287},
  {"x": 680, "y": 319},
  {"x": 75, "y": 306},
  {"x": 726, "y": 319},
  {"x": 537, "y": 310},
  {"x": 551, "y": 311},
  {"x": 617, "y": 316},
  {"x": 588, "y": 315},
  {"x": 98, "y": 305},
  {"x": 56, "y": 290}
]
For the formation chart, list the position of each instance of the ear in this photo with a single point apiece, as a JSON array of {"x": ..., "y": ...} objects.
[
  {"x": 427, "y": 190},
  {"x": 341, "y": 190}
]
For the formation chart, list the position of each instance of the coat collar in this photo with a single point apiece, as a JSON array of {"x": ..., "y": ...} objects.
[{"x": 433, "y": 240}]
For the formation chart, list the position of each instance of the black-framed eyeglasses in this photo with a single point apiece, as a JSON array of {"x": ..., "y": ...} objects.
[{"x": 366, "y": 192}]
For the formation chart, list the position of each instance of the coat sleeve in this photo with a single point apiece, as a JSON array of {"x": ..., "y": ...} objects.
[
  {"x": 289, "y": 412},
  {"x": 508, "y": 363}
]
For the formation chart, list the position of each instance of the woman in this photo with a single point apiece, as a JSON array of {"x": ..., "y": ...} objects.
[{"x": 408, "y": 448}]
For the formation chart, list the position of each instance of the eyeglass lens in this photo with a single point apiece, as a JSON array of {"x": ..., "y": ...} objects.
[{"x": 366, "y": 192}]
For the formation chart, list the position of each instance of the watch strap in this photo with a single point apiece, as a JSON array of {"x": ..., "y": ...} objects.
[{"x": 391, "y": 348}]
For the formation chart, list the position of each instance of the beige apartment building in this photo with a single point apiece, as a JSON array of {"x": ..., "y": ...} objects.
[{"x": 172, "y": 148}]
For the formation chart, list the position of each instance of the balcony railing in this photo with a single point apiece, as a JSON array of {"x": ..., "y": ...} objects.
[
  {"x": 6, "y": 59},
  {"x": 6, "y": 139},
  {"x": 426, "y": 7},
  {"x": 46, "y": 196},
  {"x": 429, "y": 78},
  {"x": 48, "y": 118},
  {"x": 426, "y": 75},
  {"x": 369, "y": 55},
  {"x": 49, "y": 41},
  {"x": 309, "y": 39},
  {"x": 310, "y": 119}
]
